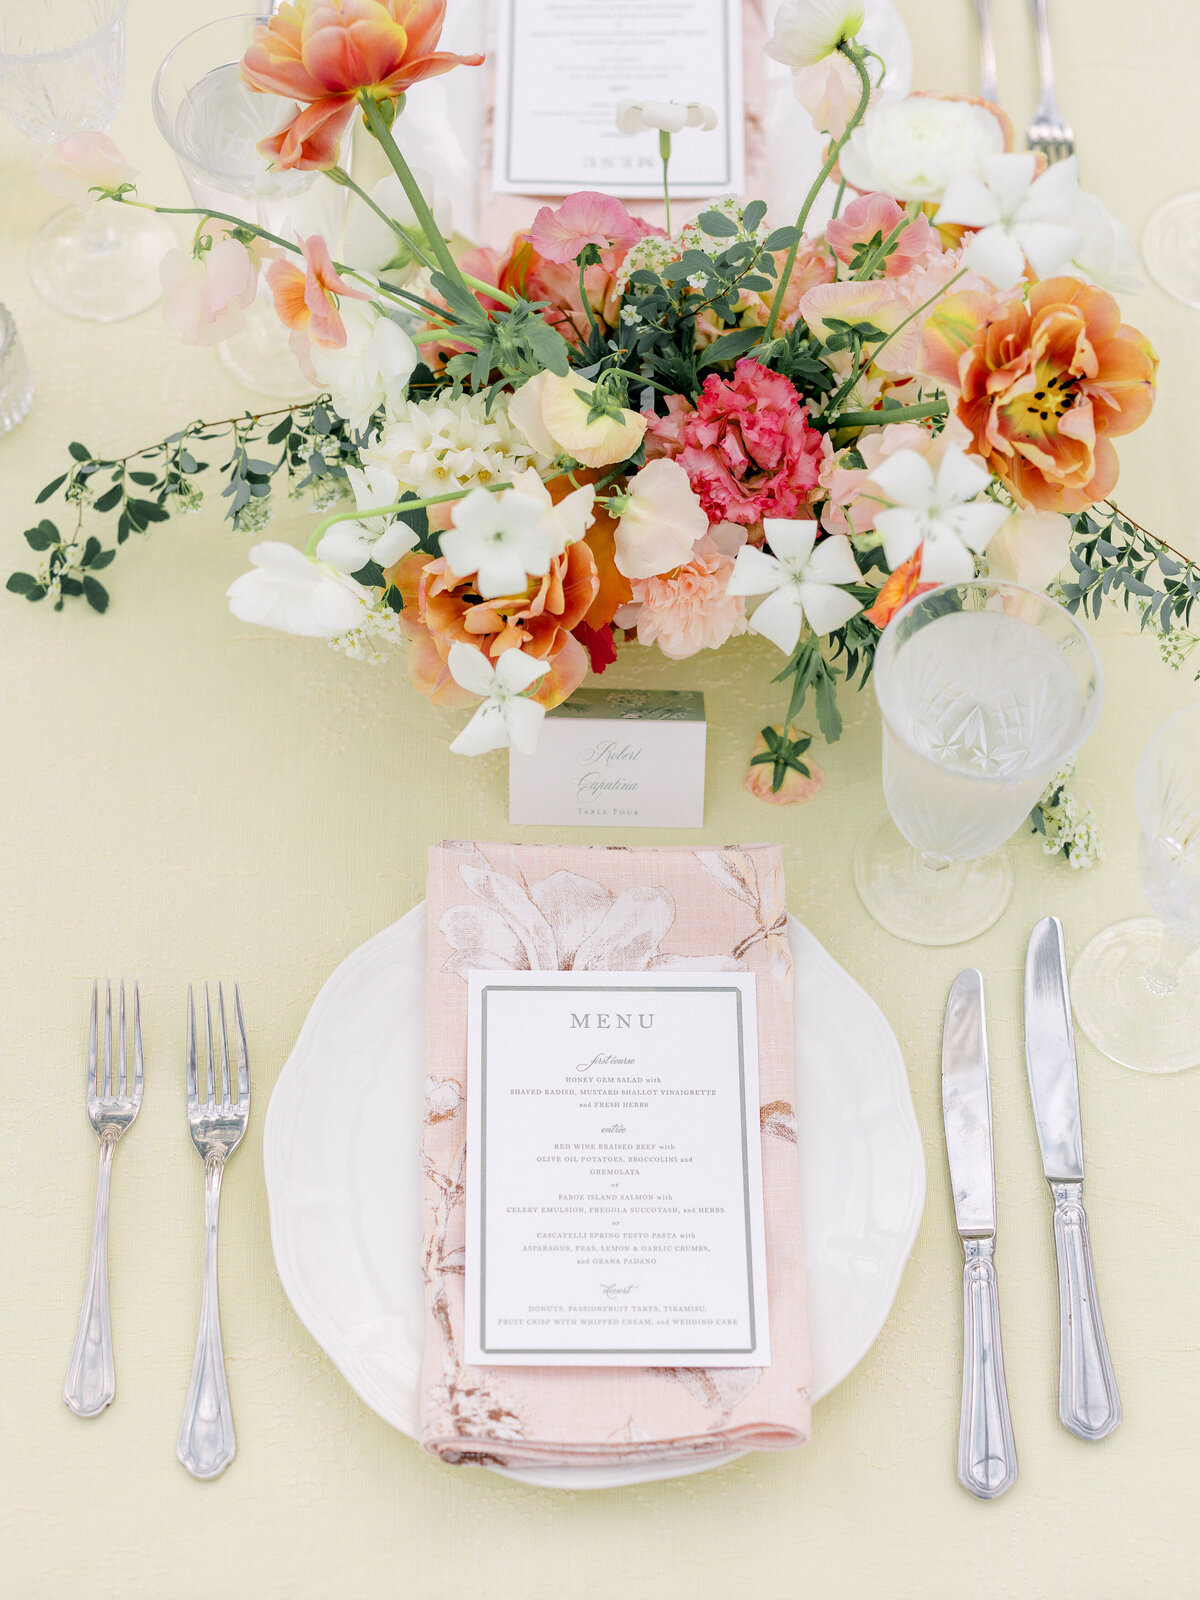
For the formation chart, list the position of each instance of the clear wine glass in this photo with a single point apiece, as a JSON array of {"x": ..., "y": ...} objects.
[
  {"x": 1171, "y": 247},
  {"x": 213, "y": 121},
  {"x": 62, "y": 69},
  {"x": 1136, "y": 988},
  {"x": 985, "y": 689}
]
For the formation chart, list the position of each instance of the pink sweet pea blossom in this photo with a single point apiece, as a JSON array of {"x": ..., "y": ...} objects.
[
  {"x": 582, "y": 219},
  {"x": 747, "y": 448},
  {"x": 82, "y": 162},
  {"x": 204, "y": 298},
  {"x": 878, "y": 214},
  {"x": 307, "y": 302}
]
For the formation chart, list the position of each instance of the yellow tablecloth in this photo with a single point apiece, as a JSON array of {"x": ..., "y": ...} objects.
[{"x": 184, "y": 795}]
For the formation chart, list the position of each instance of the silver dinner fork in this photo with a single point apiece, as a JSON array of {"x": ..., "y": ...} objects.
[
  {"x": 112, "y": 1104},
  {"x": 988, "y": 87},
  {"x": 217, "y": 1120},
  {"x": 1049, "y": 132}
]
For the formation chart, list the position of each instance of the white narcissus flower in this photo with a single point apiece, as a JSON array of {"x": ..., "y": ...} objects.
[
  {"x": 499, "y": 539},
  {"x": 939, "y": 515},
  {"x": 371, "y": 369},
  {"x": 806, "y": 31},
  {"x": 349, "y": 545},
  {"x": 507, "y": 715},
  {"x": 912, "y": 148},
  {"x": 661, "y": 521},
  {"x": 668, "y": 116},
  {"x": 289, "y": 591},
  {"x": 1017, "y": 214},
  {"x": 1107, "y": 255},
  {"x": 801, "y": 582}
]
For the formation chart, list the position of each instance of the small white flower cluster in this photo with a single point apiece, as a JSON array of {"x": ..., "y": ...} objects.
[
  {"x": 379, "y": 632},
  {"x": 648, "y": 254},
  {"x": 1070, "y": 824},
  {"x": 255, "y": 515},
  {"x": 186, "y": 498},
  {"x": 693, "y": 237},
  {"x": 1175, "y": 647},
  {"x": 448, "y": 443},
  {"x": 324, "y": 494}
]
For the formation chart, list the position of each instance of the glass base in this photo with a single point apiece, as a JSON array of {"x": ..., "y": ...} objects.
[
  {"x": 1132, "y": 1023},
  {"x": 1171, "y": 248},
  {"x": 260, "y": 356},
  {"x": 921, "y": 903},
  {"x": 100, "y": 265}
]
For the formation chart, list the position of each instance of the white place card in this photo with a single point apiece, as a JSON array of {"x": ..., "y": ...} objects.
[
  {"x": 614, "y": 1188},
  {"x": 614, "y": 758},
  {"x": 563, "y": 66}
]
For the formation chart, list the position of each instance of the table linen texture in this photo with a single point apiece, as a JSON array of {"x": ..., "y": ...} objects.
[{"x": 597, "y": 909}]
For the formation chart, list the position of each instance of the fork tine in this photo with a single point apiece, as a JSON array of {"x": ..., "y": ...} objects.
[
  {"x": 225, "y": 1101},
  {"x": 137, "y": 1043},
  {"x": 91, "y": 1078},
  {"x": 121, "y": 1041},
  {"x": 192, "y": 1091},
  {"x": 208, "y": 1036},
  {"x": 243, "y": 1054},
  {"x": 108, "y": 1077}
]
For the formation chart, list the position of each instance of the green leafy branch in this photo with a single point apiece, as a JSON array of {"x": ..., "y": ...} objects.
[{"x": 1112, "y": 555}]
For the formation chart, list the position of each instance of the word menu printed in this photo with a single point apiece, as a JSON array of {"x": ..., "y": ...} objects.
[{"x": 614, "y": 1187}]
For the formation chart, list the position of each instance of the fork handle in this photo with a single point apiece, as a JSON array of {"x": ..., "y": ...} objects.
[
  {"x": 988, "y": 86},
  {"x": 91, "y": 1379},
  {"x": 206, "y": 1443},
  {"x": 1041, "y": 27}
]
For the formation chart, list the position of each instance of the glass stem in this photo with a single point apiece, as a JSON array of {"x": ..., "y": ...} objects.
[
  {"x": 1163, "y": 977},
  {"x": 934, "y": 863}
]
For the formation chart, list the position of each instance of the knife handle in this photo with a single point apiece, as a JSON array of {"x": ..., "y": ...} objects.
[
  {"x": 1088, "y": 1402},
  {"x": 987, "y": 1455}
]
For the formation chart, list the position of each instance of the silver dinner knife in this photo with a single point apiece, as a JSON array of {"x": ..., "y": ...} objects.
[
  {"x": 987, "y": 1456},
  {"x": 1088, "y": 1402}
]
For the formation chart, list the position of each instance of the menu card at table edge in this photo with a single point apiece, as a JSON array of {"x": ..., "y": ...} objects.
[
  {"x": 562, "y": 67},
  {"x": 614, "y": 1186}
]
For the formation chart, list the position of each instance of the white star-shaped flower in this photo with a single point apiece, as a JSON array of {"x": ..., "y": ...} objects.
[
  {"x": 938, "y": 515},
  {"x": 499, "y": 539},
  {"x": 800, "y": 581},
  {"x": 507, "y": 715},
  {"x": 1018, "y": 216},
  {"x": 349, "y": 545}
]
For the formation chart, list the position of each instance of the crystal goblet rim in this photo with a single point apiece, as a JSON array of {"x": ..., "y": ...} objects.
[
  {"x": 1144, "y": 789},
  {"x": 117, "y": 9}
]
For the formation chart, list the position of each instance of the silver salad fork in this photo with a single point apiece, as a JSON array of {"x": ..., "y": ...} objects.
[
  {"x": 1049, "y": 132},
  {"x": 112, "y": 1104},
  {"x": 217, "y": 1120}
]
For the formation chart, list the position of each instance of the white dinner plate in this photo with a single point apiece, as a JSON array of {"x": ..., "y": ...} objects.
[{"x": 341, "y": 1153}]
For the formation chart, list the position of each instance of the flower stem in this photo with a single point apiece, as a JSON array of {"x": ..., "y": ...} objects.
[
  {"x": 854, "y": 56},
  {"x": 880, "y": 254},
  {"x": 323, "y": 527},
  {"x": 398, "y": 228},
  {"x": 489, "y": 289},
  {"x": 877, "y": 419},
  {"x": 378, "y": 126},
  {"x": 664, "y": 150},
  {"x": 587, "y": 305}
]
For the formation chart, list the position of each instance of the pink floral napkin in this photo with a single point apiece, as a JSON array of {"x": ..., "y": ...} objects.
[{"x": 545, "y": 907}]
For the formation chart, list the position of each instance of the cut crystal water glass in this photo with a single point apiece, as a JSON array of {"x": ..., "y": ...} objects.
[
  {"x": 16, "y": 380},
  {"x": 985, "y": 690},
  {"x": 1136, "y": 987},
  {"x": 1171, "y": 248},
  {"x": 62, "y": 68}
]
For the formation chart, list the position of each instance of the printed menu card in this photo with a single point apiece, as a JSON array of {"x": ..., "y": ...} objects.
[{"x": 614, "y": 1189}]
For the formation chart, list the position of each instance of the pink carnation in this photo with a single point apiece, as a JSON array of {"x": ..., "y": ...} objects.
[
  {"x": 687, "y": 610},
  {"x": 878, "y": 214},
  {"x": 582, "y": 219},
  {"x": 747, "y": 448}
]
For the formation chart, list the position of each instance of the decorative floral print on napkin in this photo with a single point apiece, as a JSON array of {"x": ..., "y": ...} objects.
[{"x": 581, "y": 909}]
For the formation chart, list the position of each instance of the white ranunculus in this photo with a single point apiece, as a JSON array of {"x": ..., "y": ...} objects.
[
  {"x": 1030, "y": 548},
  {"x": 802, "y": 583},
  {"x": 912, "y": 148},
  {"x": 371, "y": 369},
  {"x": 940, "y": 516},
  {"x": 1107, "y": 255},
  {"x": 369, "y": 244},
  {"x": 1016, "y": 215},
  {"x": 661, "y": 521},
  {"x": 289, "y": 591},
  {"x": 507, "y": 715},
  {"x": 806, "y": 31},
  {"x": 349, "y": 545}
]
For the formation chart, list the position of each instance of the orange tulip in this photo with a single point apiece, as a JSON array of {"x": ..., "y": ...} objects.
[{"x": 321, "y": 53}]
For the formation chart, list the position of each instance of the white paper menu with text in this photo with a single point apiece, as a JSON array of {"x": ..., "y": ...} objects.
[
  {"x": 562, "y": 67},
  {"x": 614, "y": 1187}
]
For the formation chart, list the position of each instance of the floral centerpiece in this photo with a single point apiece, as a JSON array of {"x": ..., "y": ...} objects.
[{"x": 608, "y": 432}]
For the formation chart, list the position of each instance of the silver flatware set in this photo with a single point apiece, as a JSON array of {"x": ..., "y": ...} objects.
[
  {"x": 1088, "y": 1402},
  {"x": 1049, "y": 133},
  {"x": 217, "y": 1083}
]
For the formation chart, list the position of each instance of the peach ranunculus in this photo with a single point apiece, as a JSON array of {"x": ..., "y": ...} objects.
[
  {"x": 688, "y": 609},
  {"x": 307, "y": 302},
  {"x": 875, "y": 217},
  {"x": 321, "y": 53},
  {"x": 440, "y": 611},
  {"x": 81, "y": 162},
  {"x": 204, "y": 296},
  {"x": 1043, "y": 385}
]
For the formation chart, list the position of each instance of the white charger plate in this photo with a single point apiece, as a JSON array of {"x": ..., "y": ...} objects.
[{"x": 341, "y": 1153}]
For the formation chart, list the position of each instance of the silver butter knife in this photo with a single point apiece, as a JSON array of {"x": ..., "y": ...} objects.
[
  {"x": 987, "y": 1456},
  {"x": 1088, "y": 1402}
]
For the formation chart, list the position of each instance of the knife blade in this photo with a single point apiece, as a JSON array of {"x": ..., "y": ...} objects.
[
  {"x": 987, "y": 1456},
  {"x": 1088, "y": 1401}
]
